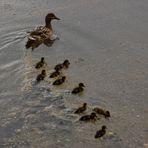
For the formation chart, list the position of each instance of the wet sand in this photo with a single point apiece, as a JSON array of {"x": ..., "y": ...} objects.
[{"x": 106, "y": 42}]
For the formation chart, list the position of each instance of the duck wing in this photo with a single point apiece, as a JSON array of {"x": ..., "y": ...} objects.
[{"x": 38, "y": 36}]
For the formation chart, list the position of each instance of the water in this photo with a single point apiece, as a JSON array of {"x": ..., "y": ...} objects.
[{"x": 106, "y": 43}]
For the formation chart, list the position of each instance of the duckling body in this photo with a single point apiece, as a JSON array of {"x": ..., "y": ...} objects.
[
  {"x": 102, "y": 112},
  {"x": 78, "y": 89},
  {"x": 54, "y": 74},
  {"x": 81, "y": 109},
  {"x": 41, "y": 76},
  {"x": 65, "y": 64},
  {"x": 41, "y": 34},
  {"x": 91, "y": 117},
  {"x": 100, "y": 133},
  {"x": 58, "y": 67},
  {"x": 59, "y": 81},
  {"x": 40, "y": 64}
]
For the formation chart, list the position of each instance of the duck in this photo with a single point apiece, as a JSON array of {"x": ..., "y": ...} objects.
[
  {"x": 41, "y": 76},
  {"x": 78, "y": 89},
  {"x": 102, "y": 112},
  {"x": 65, "y": 64},
  {"x": 100, "y": 133},
  {"x": 40, "y": 63},
  {"x": 81, "y": 109},
  {"x": 59, "y": 81},
  {"x": 42, "y": 34},
  {"x": 91, "y": 117},
  {"x": 54, "y": 74}
]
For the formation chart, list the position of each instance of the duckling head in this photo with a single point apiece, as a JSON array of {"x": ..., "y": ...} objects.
[
  {"x": 84, "y": 105},
  {"x": 66, "y": 62},
  {"x": 81, "y": 85},
  {"x": 104, "y": 127},
  {"x": 93, "y": 115},
  {"x": 43, "y": 72},
  {"x": 42, "y": 59},
  {"x": 107, "y": 114},
  {"x": 63, "y": 78}
]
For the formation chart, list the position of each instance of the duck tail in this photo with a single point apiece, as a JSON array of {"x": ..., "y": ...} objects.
[{"x": 29, "y": 43}]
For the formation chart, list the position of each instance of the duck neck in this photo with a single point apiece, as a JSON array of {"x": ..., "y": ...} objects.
[{"x": 48, "y": 25}]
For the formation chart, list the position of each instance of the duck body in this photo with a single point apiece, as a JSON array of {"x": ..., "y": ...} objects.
[
  {"x": 40, "y": 64},
  {"x": 41, "y": 76},
  {"x": 65, "y": 64},
  {"x": 81, "y": 109},
  {"x": 59, "y": 81},
  {"x": 58, "y": 67},
  {"x": 100, "y": 133},
  {"x": 54, "y": 74},
  {"x": 78, "y": 89},
  {"x": 91, "y": 117},
  {"x": 102, "y": 112},
  {"x": 41, "y": 34}
]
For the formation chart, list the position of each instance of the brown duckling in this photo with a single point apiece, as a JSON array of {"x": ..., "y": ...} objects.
[
  {"x": 59, "y": 81},
  {"x": 91, "y": 117},
  {"x": 41, "y": 76},
  {"x": 102, "y": 112},
  {"x": 81, "y": 109},
  {"x": 54, "y": 74},
  {"x": 65, "y": 64},
  {"x": 100, "y": 133},
  {"x": 41, "y": 63},
  {"x": 78, "y": 89},
  {"x": 41, "y": 34}
]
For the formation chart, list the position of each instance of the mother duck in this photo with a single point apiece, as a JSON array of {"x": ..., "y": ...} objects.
[{"x": 42, "y": 34}]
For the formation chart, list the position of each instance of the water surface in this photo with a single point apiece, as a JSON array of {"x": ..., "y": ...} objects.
[{"x": 106, "y": 43}]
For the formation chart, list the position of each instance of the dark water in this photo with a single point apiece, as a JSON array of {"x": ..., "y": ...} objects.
[{"x": 106, "y": 42}]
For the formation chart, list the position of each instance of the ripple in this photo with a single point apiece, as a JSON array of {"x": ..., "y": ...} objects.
[{"x": 11, "y": 38}]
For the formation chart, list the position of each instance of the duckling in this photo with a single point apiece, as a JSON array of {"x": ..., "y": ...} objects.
[
  {"x": 54, "y": 74},
  {"x": 65, "y": 64},
  {"x": 41, "y": 76},
  {"x": 41, "y": 34},
  {"x": 91, "y": 117},
  {"x": 59, "y": 81},
  {"x": 78, "y": 89},
  {"x": 102, "y": 112},
  {"x": 40, "y": 64},
  {"x": 81, "y": 109},
  {"x": 100, "y": 133}
]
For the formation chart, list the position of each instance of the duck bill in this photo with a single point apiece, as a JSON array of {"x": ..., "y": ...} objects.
[{"x": 56, "y": 18}]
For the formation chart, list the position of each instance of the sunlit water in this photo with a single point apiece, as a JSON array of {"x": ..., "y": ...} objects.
[{"x": 106, "y": 43}]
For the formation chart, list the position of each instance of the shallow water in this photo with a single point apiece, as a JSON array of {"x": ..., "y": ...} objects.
[{"x": 106, "y": 43}]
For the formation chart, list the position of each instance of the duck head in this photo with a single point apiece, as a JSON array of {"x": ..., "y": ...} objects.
[
  {"x": 42, "y": 59},
  {"x": 104, "y": 127},
  {"x": 43, "y": 72},
  {"x": 63, "y": 78},
  {"x": 84, "y": 105},
  {"x": 93, "y": 115},
  {"x": 66, "y": 63},
  {"x": 107, "y": 114},
  {"x": 81, "y": 85},
  {"x": 49, "y": 17}
]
